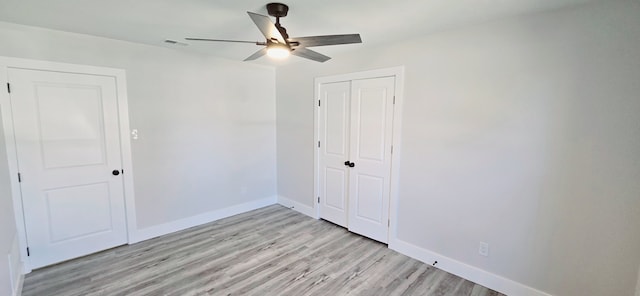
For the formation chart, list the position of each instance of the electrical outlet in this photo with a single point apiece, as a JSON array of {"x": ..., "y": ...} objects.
[
  {"x": 484, "y": 249},
  {"x": 134, "y": 134}
]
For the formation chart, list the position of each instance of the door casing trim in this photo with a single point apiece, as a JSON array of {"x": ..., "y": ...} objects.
[
  {"x": 9, "y": 134},
  {"x": 398, "y": 73}
]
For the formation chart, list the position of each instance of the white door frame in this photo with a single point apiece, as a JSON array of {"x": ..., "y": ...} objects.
[
  {"x": 398, "y": 73},
  {"x": 7, "y": 120}
]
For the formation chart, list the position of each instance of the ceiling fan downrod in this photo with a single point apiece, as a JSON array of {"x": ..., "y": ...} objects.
[{"x": 279, "y": 10}]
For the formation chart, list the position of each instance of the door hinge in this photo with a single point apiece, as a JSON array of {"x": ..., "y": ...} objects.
[
  {"x": 394, "y": 100},
  {"x": 318, "y": 199},
  {"x": 28, "y": 253},
  {"x": 318, "y": 144},
  {"x": 19, "y": 178},
  {"x": 8, "y": 87},
  {"x": 389, "y": 223},
  {"x": 318, "y": 103},
  {"x": 391, "y": 149}
]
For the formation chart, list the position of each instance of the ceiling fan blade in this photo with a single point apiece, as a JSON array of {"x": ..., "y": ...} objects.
[
  {"x": 311, "y": 41},
  {"x": 309, "y": 54},
  {"x": 267, "y": 27},
  {"x": 222, "y": 40},
  {"x": 256, "y": 55}
]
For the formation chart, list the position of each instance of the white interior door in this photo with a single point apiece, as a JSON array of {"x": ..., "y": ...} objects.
[
  {"x": 67, "y": 138},
  {"x": 334, "y": 137},
  {"x": 370, "y": 152}
]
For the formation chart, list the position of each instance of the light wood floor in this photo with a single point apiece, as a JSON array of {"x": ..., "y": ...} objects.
[{"x": 270, "y": 251}]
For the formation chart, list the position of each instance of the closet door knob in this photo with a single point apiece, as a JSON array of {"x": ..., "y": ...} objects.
[
  {"x": 115, "y": 172},
  {"x": 351, "y": 164},
  {"x": 346, "y": 163}
]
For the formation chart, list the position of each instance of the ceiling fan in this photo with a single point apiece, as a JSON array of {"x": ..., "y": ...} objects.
[{"x": 278, "y": 44}]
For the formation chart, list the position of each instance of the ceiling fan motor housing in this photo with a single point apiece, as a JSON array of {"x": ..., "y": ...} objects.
[{"x": 277, "y": 9}]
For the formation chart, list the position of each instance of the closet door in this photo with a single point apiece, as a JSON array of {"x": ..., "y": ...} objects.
[
  {"x": 370, "y": 152},
  {"x": 334, "y": 149}
]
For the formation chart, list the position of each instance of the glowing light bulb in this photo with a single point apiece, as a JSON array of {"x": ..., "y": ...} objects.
[{"x": 278, "y": 51}]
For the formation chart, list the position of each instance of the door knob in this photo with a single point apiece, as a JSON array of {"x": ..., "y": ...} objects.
[
  {"x": 346, "y": 163},
  {"x": 115, "y": 172},
  {"x": 351, "y": 164}
]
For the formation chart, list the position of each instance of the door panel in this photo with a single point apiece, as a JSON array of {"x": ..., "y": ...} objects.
[
  {"x": 89, "y": 218},
  {"x": 370, "y": 131},
  {"x": 370, "y": 205},
  {"x": 371, "y": 138},
  {"x": 334, "y": 150},
  {"x": 335, "y": 193},
  {"x": 336, "y": 105},
  {"x": 74, "y": 140},
  {"x": 67, "y": 138}
]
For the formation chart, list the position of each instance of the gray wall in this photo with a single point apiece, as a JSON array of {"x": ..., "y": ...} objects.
[
  {"x": 523, "y": 133},
  {"x": 206, "y": 126}
]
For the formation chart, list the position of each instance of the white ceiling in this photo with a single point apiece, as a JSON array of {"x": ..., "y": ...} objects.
[{"x": 153, "y": 21}]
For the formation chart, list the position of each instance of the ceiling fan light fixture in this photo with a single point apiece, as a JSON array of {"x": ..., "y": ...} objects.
[{"x": 278, "y": 51}]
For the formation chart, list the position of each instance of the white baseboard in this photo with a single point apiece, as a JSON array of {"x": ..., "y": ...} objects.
[
  {"x": 17, "y": 291},
  {"x": 15, "y": 267},
  {"x": 297, "y": 206},
  {"x": 638, "y": 285},
  {"x": 166, "y": 228},
  {"x": 474, "y": 274}
]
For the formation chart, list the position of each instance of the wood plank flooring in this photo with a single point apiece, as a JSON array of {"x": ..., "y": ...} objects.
[{"x": 269, "y": 251}]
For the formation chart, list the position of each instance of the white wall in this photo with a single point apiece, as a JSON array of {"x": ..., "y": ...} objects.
[
  {"x": 7, "y": 222},
  {"x": 523, "y": 133},
  {"x": 206, "y": 126}
]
